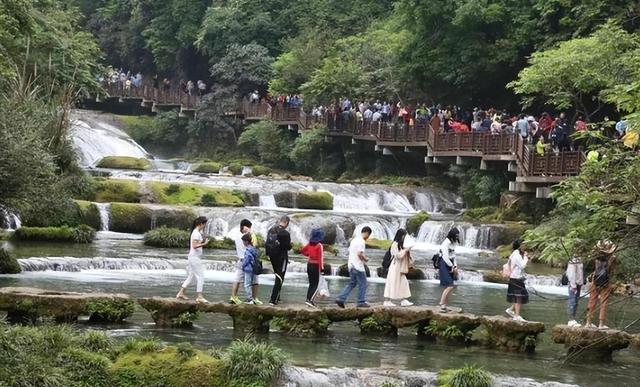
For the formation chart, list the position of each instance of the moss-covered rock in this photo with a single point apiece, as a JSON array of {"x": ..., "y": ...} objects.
[
  {"x": 504, "y": 251},
  {"x": 89, "y": 213},
  {"x": 494, "y": 276},
  {"x": 378, "y": 244},
  {"x": 413, "y": 274},
  {"x": 221, "y": 244},
  {"x": 235, "y": 168},
  {"x": 584, "y": 344},
  {"x": 180, "y": 218},
  {"x": 208, "y": 167},
  {"x": 508, "y": 232},
  {"x": 305, "y": 325},
  {"x": 128, "y": 217},
  {"x": 124, "y": 162},
  {"x": 260, "y": 170},
  {"x": 8, "y": 263},
  {"x": 343, "y": 270},
  {"x": 506, "y": 334},
  {"x": 315, "y": 200},
  {"x": 285, "y": 199},
  {"x": 195, "y": 195},
  {"x": 378, "y": 324},
  {"x": 414, "y": 222},
  {"x": 113, "y": 190},
  {"x": 80, "y": 234}
]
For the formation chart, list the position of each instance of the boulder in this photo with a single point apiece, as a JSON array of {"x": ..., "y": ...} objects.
[
  {"x": 132, "y": 218},
  {"x": 315, "y": 200},
  {"x": 343, "y": 270},
  {"x": 504, "y": 333},
  {"x": 8, "y": 263},
  {"x": 180, "y": 218},
  {"x": 124, "y": 162},
  {"x": 285, "y": 199},
  {"x": 586, "y": 344},
  {"x": 89, "y": 214},
  {"x": 413, "y": 274},
  {"x": 494, "y": 276},
  {"x": 414, "y": 222},
  {"x": 506, "y": 233}
]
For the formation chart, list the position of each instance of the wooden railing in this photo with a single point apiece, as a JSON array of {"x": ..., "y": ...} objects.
[{"x": 160, "y": 95}]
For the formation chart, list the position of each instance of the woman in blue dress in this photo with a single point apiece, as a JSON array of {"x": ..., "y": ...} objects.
[{"x": 447, "y": 267}]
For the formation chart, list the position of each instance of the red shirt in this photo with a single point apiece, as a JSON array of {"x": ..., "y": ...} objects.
[{"x": 315, "y": 253}]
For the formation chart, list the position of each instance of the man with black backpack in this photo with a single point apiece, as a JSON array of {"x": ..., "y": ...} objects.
[{"x": 277, "y": 246}]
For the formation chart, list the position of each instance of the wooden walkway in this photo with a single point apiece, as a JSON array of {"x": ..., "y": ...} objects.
[{"x": 534, "y": 173}]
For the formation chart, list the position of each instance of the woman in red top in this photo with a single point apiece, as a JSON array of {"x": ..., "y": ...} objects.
[{"x": 315, "y": 251}]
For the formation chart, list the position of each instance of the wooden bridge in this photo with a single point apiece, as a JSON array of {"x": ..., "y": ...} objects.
[{"x": 533, "y": 172}]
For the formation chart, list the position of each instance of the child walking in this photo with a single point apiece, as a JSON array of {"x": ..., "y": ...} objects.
[
  {"x": 195, "y": 267},
  {"x": 315, "y": 251},
  {"x": 248, "y": 267}
]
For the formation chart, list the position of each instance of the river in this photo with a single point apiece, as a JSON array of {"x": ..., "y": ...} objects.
[{"x": 121, "y": 263}]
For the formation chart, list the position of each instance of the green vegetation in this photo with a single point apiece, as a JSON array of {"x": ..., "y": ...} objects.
[
  {"x": 266, "y": 140},
  {"x": 109, "y": 310},
  {"x": 208, "y": 167},
  {"x": 222, "y": 244},
  {"x": 80, "y": 234},
  {"x": 314, "y": 200},
  {"x": 166, "y": 130},
  {"x": 479, "y": 188},
  {"x": 414, "y": 222},
  {"x": 124, "y": 162},
  {"x": 167, "y": 237},
  {"x": 89, "y": 213},
  {"x": 378, "y": 325},
  {"x": 260, "y": 170},
  {"x": 8, "y": 263},
  {"x": 112, "y": 190},
  {"x": 247, "y": 362},
  {"x": 188, "y": 194},
  {"x": 306, "y": 154},
  {"x": 467, "y": 376},
  {"x": 378, "y": 244},
  {"x": 129, "y": 217}
]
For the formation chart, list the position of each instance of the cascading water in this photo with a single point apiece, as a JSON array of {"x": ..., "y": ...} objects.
[
  {"x": 104, "y": 209},
  {"x": 10, "y": 221},
  {"x": 472, "y": 236},
  {"x": 268, "y": 201}
]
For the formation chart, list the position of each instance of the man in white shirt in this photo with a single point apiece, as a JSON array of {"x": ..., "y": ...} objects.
[
  {"x": 357, "y": 271},
  {"x": 245, "y": 227}
]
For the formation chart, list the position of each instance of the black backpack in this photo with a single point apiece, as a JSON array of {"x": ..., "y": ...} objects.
[
  {"x": 257, "y": 266},
  {"x": 386, "y": 263},
  {"x": 601, "y": 275},
  {"x": 272, "y": 244},
  {"x": 436, "y": 260}
]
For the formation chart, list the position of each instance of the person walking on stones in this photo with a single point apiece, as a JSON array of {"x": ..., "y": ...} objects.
[
  {"x": 600, "y": 282},
  {"x": 575, "y": 280},
  {"x": 250, "y": 268},
  {"x": 357, "y": 270},
  {"x": 245, "y": 228},
  {"x": 448, "y": 267},
  {"x": 195, "y": 267},
  {"x": 277, "y": 247},
  {"x": 396, "y": 286},
  {"x": 315, "y": 251},
  {"x": 517, "y": 293}
]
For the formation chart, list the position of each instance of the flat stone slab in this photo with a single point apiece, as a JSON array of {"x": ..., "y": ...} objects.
[
  {"x": 590, "y": 342},
  {"x": 34, "y": 303},
  {"x": 506, "y": 323}
]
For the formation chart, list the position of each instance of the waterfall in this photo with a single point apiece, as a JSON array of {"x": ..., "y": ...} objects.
[
  {"x": 9, "y": 221},
  {"x": 471, "y": 236},
  {"x": 94, "y": 138},
  {"x": 340, "y": 237},
  {"x": 104, "y": 209},
  {"x": 246, "y": 171},
  {"x": 268, "y": 201}
]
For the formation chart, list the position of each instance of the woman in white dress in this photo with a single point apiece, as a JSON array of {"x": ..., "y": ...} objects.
[
  {"x": 195, "y": 267},
  {"x": 397, "y": 286}
]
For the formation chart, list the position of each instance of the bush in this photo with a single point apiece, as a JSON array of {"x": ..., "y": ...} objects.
[
  {"x": 80, "y": 234},
  {"x": 235, "y": 169},
  {"x": 265, "y": 139},
  {"x": 467, "y": 376},
  {"x": 414, "y": 222},
  {"x": 306, "y": 153},
  {"x": 8, "y": 263},
  {"x": 89, "y": 213},
  {"x": 208, "y": 167},
  {"x": 133, "y": 218},
  {"x": 111, "y": 190},
  {"x": 113, "y": 311},
  {"x": 315, "y": 200},
  {"x": 124, "y": 162},
  {"x": 172, "y": 189},
  {"x": 221, "y": 244},
  {"x": 260, "y": 170},
  {"x": 85, "y": 368},
  {"x": 479, "y": 188},
  {"x": 208, "y": 200},
  {"x": 167, "y": 237},
  {"x": 193, "y": 195},
  {"x": 247, "y": 362}
]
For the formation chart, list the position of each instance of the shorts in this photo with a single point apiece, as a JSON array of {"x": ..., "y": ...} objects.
[{"x": 238, "y": 274}]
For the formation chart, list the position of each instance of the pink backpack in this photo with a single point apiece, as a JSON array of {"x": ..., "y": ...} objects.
[{"x": 506, "y": 269}]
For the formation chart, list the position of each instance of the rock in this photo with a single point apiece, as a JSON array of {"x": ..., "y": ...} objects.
[
  {"x": 89, "y": 213},
  {"x": 590, "y": 344},
  {"x": 414, "y": 222},
  {"x": 378, "y": 244},
  {"x": 285, "y": 199},
  {"x": 180, "y": 218},
  {"x": 416, "y": 274},
  {"x": 504, "y": 333},
  {"x": 343, "y": 270},
  {"x": 32, "y": 304},
  {"x": 317, "y": 200},
  {"x": 128, "y": 217},
  {"x": 124, "y": 162},
  {"x": 8, "y": 263},
  {"x": 506, "y": 233},
  {"x": 494, "y": 276}
]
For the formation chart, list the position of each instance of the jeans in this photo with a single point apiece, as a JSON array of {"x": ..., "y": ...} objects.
[
  {"x": 572, "y": 302},
  {"x": 249, "y": 280},
  {"x": 358, "y": 278}
]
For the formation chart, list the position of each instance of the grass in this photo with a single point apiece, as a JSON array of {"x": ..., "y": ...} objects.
[
  {"x": 129, "y": 121},
  {"x": 467, "y": 376},
  {"x": 124, "y": 162},
  {"x": 414, "y": 222},
  {"x": 114, "y": 190},
  {"x": 378, "y": 244},
  {"x": 314, "y": 200},
  {"x": 110, "y": 310},
  {"x": 130, "y": 217},
  {"x": 167, "y": 237},
  {"x": 80, "y": 234},
  {"x": 193, "y": 195},
  {"x": 89, "y": 213},
  {"x": 250, "y": 363}
]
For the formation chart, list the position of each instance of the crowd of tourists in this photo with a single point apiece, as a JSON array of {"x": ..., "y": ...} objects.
[
  {"x": 397, "y": 262},
  {"x": 126, "y": 81}
]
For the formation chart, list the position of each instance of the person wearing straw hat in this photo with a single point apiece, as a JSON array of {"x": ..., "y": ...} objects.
[
  {"x": 315, "y": 251},
  {"x": 396, "y": 286},
  {"x": 600, "y": 282}
]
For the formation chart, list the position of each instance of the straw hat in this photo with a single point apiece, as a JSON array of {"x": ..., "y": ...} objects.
[{"x": 606, "y": 246}]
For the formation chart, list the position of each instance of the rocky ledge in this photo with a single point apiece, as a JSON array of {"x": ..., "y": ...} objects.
[
  {"x": 29, "y": 305},
  {"x": 589, "y": 343}
]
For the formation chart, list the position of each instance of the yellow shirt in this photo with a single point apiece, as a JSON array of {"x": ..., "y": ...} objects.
[{"x": 630, "y": 139}]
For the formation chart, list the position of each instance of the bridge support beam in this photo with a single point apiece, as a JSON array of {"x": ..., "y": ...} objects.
[
  {"x": 386, "y": 151},
  {"x": 543, "y": 192},
  {"x": 512, "y": 167},
  {"x": 520, "y": 187},
  {"x": 483, "y": 165}
]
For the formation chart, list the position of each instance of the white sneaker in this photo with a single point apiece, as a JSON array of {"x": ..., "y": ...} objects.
[
  {"x": 574, "y": 324},
  {"x": 519, "y": 319},
  {"x": 388, "y": 303},
  {"x": 603, "y": 327},
  {"x": 406, "y": 303},
  {"x": 510, "y": 313},
  {"x": 590, "y": 326}
]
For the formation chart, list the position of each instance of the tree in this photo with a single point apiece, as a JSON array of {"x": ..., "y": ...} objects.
[
  {"x": 306, "y": 154},
  {"x": 266, "y": 140},
  {"x": 581, "y": 70},
  {"x": 334, "y": 79},
  {"x": 246, "y": 67}
]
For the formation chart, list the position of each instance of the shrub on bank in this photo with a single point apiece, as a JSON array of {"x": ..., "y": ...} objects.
[
  {"x": 221, "y": 244},
  {"x": 88, "y": 213},
  {"x": 315, "y": 200},
  {"x": 188, "y": 194},
  {"x": 414, "y": 222},
  {"x": 208, "y": 167},
  {"x": 247, "y": 362},
  {"x": 235, "y": 168},
  {"x": 8, "y": 263},
  {"x": 124, "y": 162},
  {"x": 80, "y": 234},
  {"x": 128, "y": 217},
  {"x": 167, "y": 237},
  {"x": 109, "y": 311},
  {"x": 467, "y": 376}
]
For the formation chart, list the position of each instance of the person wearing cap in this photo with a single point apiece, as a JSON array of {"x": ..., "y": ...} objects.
[
  {"x": 600, "y": 282},
  {"x": 315, "y": 251},
  {"x": 396, "y": 286}
]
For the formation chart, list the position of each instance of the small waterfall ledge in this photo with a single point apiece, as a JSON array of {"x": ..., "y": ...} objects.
[{"x": 292, "y": 376}]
